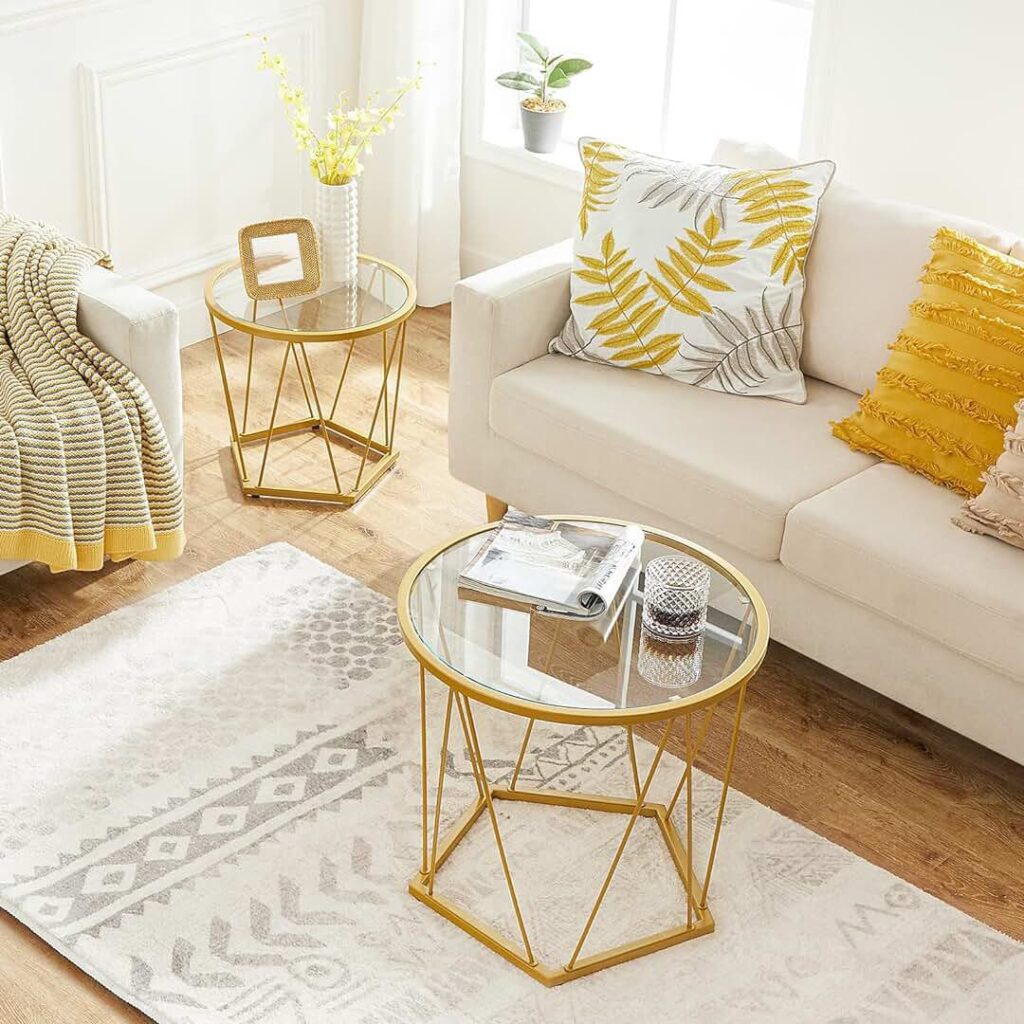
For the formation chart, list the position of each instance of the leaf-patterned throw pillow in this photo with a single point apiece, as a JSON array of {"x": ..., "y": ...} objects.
[{"x": 693, "y": 272}]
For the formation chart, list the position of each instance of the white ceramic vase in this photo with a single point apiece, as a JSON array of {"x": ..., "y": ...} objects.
[{"x": 337, "y": 228}]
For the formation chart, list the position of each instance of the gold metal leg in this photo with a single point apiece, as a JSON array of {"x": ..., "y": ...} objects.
[
  {"x": 478, "y": 761},
  {"x": 522, "y": 754},
  {"x": 726, "y": 776},
  {"x": 442, "y": 768},
  {"x": 398, "y": 386},
  {"x": 698, "y": 746},
  {"x": 319, "y": 414},
  {"x": 248, "y": 371},
  {"x": 465, "y": 735},
  {"x": 641, "y": 797},
  {"x": 384, "y": 385},
  {"x": 227, "y": 400},
  {"x": 302, "y": 381},
  {"x": 298, "y": 369},
  {"x": 376, "y": 411},
  {"x": 273, "y": 412},
  {"x": 423, "y": 763},
  {"x": 631, "y": 750},
  {"x": 341, "y": 378},
  {"x": 688, "y": 736}
]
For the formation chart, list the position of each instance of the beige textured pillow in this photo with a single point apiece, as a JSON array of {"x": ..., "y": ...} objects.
[{"x": 999, "y": 510}]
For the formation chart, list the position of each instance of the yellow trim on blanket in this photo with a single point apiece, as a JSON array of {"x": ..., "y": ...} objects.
[
  {"x": 168, "y": 546},
  {"x": 35, "y": 546},
  {"x": 31, "y": 545},
  {"x": 120, "y": 540}
]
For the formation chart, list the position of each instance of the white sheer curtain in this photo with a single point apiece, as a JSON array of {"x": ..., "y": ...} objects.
[{"x": 409, "y": 190}]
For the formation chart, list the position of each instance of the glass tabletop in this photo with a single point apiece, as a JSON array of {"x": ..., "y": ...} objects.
[
  {"x": 377, "y": 297},
  {"x": 566, "y": 664}
]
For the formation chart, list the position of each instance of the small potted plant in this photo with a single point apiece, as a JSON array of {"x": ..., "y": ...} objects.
[{"x": 542, "y": 114}]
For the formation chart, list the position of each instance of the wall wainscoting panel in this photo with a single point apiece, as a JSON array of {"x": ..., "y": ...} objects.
[
  {"x": 152, "y": 135},
  {"x": 23, "y": 17},
  {"x": 169, "y": 211},
  {"x": 142, "y": 183}
]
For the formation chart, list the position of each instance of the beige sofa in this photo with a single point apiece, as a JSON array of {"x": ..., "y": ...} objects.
[
  {"x": 857, "y": 560},
  {"x": 141, "y": 330}
]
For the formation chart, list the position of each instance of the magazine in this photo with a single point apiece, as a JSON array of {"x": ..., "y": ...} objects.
[{"x": 578, "y": 570}]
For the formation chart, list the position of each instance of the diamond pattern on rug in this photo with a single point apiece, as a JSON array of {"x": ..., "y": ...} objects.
[
  {"x": 218, "y": 813},
  {"x": 141, "y": 862}
]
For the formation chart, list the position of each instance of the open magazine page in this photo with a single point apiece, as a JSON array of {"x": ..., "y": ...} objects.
[{"x": 565, "y": 568}]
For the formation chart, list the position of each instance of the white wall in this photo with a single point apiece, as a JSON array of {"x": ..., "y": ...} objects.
[
  {"x": 143, "y": 127},
  {"x": 920, "y": 100},
  {"x": 917, "y": 100},
  {"x": 506, "y": 213}
]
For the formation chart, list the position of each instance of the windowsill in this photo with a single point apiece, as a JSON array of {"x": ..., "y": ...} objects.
[{"x": 506, "y": 150}]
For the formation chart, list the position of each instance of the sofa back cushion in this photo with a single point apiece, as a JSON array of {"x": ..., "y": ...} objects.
[{"x": 862, "y": 272}]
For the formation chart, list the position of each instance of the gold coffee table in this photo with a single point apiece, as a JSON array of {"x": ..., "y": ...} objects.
[
  {"x": 543, "y": 669},
  {"x": 372, "y": 310}
]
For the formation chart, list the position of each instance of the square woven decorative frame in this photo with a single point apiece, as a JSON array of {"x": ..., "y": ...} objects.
[{"x": 309, "y": 256}]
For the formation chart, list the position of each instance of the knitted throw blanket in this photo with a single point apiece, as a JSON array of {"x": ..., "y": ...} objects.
[{"x": 86, "y": 471}]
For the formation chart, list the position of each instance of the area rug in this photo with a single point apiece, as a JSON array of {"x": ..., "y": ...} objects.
[{"x": 209, "y": 802}]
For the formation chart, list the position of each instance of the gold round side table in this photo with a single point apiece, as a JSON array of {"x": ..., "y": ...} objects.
[
  {"x": 376, "y": 305},
  {"x": 542, "y": 669}
]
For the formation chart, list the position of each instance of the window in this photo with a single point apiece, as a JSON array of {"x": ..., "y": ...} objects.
[{"x": 669, "y": 76}]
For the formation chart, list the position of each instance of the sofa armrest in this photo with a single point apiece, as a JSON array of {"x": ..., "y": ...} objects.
[
  {"x": 141, "y": 330},
  {"x": 501, "y": 319}
]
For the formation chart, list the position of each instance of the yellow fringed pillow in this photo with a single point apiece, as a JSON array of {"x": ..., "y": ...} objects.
[{"x": 941, "y": 404}]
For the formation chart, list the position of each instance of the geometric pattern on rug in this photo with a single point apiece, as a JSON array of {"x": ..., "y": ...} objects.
[
  {"x": 149, "y": 856},
  {"x": 217, "y": 815}
]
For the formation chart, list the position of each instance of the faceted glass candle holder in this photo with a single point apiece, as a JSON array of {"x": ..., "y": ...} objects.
[
  {"x": 671, "y": 665},
  {"x": 676, "y": 590}
]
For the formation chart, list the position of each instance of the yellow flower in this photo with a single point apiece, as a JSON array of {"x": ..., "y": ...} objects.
[{"x": 334, "y": 158}]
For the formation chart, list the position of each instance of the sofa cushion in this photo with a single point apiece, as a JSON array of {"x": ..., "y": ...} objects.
[
  {"x": 862, "y": 271},
  {"x": 944, "y": 399},
  {"x": 693, "y": 272},
  {"x": 733, "y": 467},
  {"x": 884, "y": 540},
  {"x": 999, "y": 510}
]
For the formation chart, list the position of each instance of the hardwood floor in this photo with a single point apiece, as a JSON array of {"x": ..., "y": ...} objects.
[{"x": 894, "y": 788}]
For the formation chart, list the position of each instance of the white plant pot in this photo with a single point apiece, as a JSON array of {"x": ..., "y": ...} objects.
[
  {"x": 542, "y": 129},
  {"x": 337, "y": 229}
]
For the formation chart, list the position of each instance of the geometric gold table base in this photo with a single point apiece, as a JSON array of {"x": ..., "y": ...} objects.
[
  {"x": 375, "y": 456},
  {"x": 379, "y": 461},
  {"x": 699, "y": 920},
  {"x": 702, "y": 924}
]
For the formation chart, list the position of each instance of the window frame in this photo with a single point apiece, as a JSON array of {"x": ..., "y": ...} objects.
[
  {"x": 559, "y": 168},
  {"x": 563, "y": 167}
]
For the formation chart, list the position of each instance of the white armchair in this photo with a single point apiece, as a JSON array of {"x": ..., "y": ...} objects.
[{"x": 141, "y": 330}]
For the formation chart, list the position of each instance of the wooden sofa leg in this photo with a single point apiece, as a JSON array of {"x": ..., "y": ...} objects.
[{"x": 495, "y": 508}]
